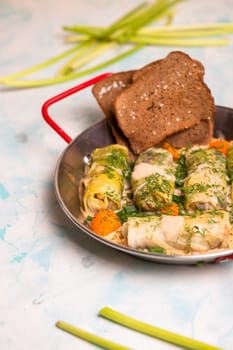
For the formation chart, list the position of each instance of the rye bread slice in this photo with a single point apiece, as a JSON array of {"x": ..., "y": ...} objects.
[
  {"x": 105, "y": 92},
  {"x": 167, "y": 98},
  {"x": 106, "y": 89},
  {"x": 199, "y": 134}
]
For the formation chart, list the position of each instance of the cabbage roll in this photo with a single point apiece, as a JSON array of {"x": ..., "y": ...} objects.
[
  {"x": 103, "y": 184},
  {"x": 153, "y": 179},
  {"x": 198, "y": 233},
  {"x": 205, "y": 186}
]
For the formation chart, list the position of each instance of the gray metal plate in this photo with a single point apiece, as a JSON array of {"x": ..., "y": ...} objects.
[{"x": 70, "y": 169}]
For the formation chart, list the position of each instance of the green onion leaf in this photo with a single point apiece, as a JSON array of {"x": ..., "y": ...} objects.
[
  {"x": 166, "y": 41},
  {"x": 63, "y": 78},
  {"x": 80, "y": 59},
  {"x": 145, "y": 328},
  {"x": 41, "y": 65},
  {"x": 90, "y": 337}
]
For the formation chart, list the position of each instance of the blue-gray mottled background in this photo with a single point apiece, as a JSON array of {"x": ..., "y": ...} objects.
[{"x": 50, "y": 270}]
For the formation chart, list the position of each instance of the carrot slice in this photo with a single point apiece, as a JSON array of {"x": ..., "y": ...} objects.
[
  {"x": 172, "y": 209},
  {"x": 221, "y": 145},
  {"x": 105, "y": 222},
  {"x": 172, "y": 150}
]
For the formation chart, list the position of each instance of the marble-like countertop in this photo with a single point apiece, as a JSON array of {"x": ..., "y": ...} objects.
[{"x": 49, "y": 269}]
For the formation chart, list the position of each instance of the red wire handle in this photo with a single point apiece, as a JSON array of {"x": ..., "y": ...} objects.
[
  {"x": 63, "y": 95},
  {"x": 221, "y": 258}
]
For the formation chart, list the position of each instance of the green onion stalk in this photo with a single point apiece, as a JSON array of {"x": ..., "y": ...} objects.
[
  {"x": 136, "y": 325},
  {"x": 90, "y": 337},
  {"x": 153, "y": 331},
  {"x": 132, "y": 29}
]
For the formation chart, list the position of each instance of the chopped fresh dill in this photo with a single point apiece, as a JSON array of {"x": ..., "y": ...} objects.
[
  {"x": 180, "y": 171},
  {"x": 117, "y": 160}
]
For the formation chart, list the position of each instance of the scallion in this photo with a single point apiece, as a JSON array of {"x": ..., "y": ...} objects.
[
  {"x": 145, "y": 328},
  {"x": 133, "y": 30},
  {"x": 90, "y": 337},
  {"x": 71, "y": 76}
]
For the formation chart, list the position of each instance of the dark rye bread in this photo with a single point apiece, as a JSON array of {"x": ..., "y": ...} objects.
[
  {"x": 170, "y": 96},
  {"x": 199, "y": 134},
  {"x": 105, "y": 92},
  {"x": 106, "y": 89}
]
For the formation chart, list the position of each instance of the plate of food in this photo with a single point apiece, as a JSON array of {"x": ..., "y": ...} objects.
[{"x": 154, "y": 178}]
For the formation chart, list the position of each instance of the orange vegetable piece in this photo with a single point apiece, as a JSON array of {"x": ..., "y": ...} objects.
[
  {"x": 172, "y": 209},
  {"x": 221, "y": 145},
  {"x": 172, "y": 150},
  {"x": 105, "y": 222}
]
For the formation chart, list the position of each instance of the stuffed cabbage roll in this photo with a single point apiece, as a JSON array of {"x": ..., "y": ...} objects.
[
  {"x": 153, "y": 179},
  {"x": 205, "y": 186},
  {"x": 103, "y": 184},
  {"x": 199, "y": 233}
]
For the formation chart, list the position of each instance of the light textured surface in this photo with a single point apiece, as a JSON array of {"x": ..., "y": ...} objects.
[{"x": 49, "y": 270}]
